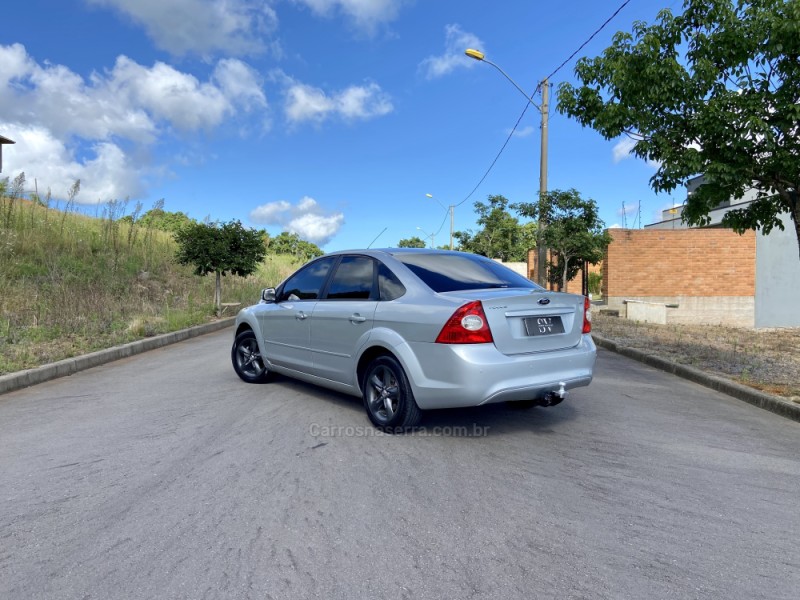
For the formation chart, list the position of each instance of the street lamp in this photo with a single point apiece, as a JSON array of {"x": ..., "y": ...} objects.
[
  {"x": 433, "y": 245},
  {"x": 541, "y": 271},
  {"x": 450, "y": 208}
]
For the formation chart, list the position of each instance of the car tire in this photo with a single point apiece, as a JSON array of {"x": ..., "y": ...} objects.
[
  {"x": 387, "y": 395},
  {"x": 247, "y": 360}
]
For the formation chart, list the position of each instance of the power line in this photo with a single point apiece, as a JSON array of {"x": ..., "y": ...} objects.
[
  {"x": 538, "y": 87},
  {"x": 496, "y": 158},
  {"x": 446, "y": 214},
  {"x": 591, "y": 37}
]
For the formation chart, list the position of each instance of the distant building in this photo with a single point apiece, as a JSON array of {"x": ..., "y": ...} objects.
[
  {"x": 3, "y": 140},
  {"x": 707, "y": 274}
]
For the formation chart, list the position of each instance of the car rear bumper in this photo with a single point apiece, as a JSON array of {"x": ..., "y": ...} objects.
[{"x": 449, "y": 376}]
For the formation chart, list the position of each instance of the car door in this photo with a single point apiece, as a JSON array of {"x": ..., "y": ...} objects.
[
  {"x": 286, "y": 329},
  {"x": 343, "y": 317}
]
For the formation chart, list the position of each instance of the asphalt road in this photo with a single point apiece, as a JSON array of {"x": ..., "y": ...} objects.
[{"x": 164, "y": 476}]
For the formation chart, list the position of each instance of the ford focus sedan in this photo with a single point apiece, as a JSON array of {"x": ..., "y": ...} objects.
[{"x": 409, "y": 330}]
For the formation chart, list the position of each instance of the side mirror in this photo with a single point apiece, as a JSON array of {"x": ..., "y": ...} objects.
[{"x": 268, "y": 295}]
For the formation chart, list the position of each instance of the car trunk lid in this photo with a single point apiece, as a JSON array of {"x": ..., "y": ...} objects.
[{"x": 524, "y": 321}]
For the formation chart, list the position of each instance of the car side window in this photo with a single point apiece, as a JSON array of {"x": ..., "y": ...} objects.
[
  {"x": 353, "y": 279},
  {"x": 307, "y": 283},
  {"x": 388, "y": 284}
]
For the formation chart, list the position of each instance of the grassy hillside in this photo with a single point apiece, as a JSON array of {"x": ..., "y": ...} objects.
[{"x": 70, "y": 284}]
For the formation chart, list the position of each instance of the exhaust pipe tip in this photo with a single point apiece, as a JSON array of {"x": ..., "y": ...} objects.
[{"x": 556, "y": 396}]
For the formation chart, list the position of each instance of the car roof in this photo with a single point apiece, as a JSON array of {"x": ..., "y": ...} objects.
[{"x": 394, "y": 251}]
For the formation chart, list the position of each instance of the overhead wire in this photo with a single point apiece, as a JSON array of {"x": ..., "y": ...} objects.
[{"x": 527, "y": 104}]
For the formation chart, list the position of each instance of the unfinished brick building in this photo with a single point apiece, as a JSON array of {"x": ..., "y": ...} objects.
[{"x": 705, "y": 275}]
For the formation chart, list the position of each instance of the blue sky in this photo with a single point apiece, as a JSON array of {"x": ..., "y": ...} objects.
[{"x": 329, "y": 118}]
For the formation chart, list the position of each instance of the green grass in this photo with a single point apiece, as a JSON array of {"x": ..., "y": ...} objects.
[{"x": 73, "y": 284}]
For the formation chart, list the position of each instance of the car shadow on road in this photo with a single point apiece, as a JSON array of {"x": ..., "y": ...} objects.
[{"x": 479, "y": 421}]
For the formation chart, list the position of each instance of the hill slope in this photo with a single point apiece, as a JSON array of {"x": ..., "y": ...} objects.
[{"x": 72, "y": 283}]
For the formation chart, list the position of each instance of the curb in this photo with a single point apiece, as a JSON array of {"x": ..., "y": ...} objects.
[
  {"x": 69, "y": 366},
  {"x": 720, "y": 384}
]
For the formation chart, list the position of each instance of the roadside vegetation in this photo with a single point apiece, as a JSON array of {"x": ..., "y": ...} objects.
[
  {"x": 73, "y": 284},
  {"x": 764, "y": 359}
]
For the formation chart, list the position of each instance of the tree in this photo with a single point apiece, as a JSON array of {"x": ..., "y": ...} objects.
[
  {"x": 574, "y": 232},
  {"x": 412, "y": 242},
  {"x": 158, "y": 218},
  {"x": 290, "y": 243},
  {"x": 220, "y": 249},
  {"x": 502, "y": 236},
  {"x": 713, "y": 91}
]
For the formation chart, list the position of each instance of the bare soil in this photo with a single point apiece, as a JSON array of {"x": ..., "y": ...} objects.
[{"x": 765, "y": 359}]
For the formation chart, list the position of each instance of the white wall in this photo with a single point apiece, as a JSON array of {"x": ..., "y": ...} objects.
[
  {"x": 778, "y": 277},
  {"x": 518, "y": 267}
]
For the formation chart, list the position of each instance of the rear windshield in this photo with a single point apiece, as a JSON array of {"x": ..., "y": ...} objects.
[{"x": 458, "y": 272}]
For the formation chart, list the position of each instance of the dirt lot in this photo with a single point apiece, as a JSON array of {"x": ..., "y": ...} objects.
[{"x": 768, "y": 360}]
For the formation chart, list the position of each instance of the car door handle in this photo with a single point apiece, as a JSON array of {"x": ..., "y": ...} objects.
[
  {"x": 300, "y": 315},
  {"x": 357, "y": 318}
]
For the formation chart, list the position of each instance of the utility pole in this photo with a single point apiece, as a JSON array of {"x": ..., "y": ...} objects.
[
  {"x": 451, "y": 226},
  {"x": 450, "y": 208},
  {"x": 541, "y": 249}
]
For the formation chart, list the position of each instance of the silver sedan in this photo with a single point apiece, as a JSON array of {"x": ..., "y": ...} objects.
[{"x": 409, "y": 330}]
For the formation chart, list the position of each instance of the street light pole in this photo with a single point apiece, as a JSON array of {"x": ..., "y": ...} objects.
[
  {"x": 541, "y": 249},
  {"x": 541, "y": 257},
  {"x": 450, "y": 209},
  {"x": 433, "y": 242}
]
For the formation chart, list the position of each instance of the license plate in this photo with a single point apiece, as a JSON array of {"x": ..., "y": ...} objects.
[{"x": 543, "y": 325}]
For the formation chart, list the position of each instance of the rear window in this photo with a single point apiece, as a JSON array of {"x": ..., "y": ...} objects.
[{"x": 458, "y": 272}]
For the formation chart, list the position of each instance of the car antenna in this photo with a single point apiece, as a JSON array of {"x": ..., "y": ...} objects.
[{"x": 376, "y": 238}]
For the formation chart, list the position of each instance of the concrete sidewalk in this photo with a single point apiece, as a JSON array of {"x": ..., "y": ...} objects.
[
  {"x": 775, "y": 404},
  {"x": 68, "y": 366}
]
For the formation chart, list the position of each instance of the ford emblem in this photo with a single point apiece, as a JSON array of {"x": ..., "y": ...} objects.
[{"x": 544, "y": 301}]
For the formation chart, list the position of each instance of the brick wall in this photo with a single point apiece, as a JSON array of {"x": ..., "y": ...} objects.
[
  {"x": 574, "y": 285},
  {"x": 681, "y": 262}
]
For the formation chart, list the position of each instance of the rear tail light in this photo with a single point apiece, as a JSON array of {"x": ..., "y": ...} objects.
[
  {"x": 587, "y": 316},
  {"x": 466, "y": 326}
]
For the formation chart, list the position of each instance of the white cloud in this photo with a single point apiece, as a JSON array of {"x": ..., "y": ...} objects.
[
  {"x": 68, "y": 127},
  {"x": 202, "y": 27},
  {"x": 366, "y": 14},
  {"x": 615, "y": 226},
  {"x": 524, "y": 132},
  {"x": 623, "y": 148},
  {"x": 307, "y": 103},
  {"x": 181, "y": 99},
  {"x": 316, "y": 228},
  {"x": 167, "y": 94},
  {"x": 306, "y": 204},
  {"x": 105, "y": 175},
  {"x": 270, "y": 214},
  {"x": 14, "y": 64},
  {"x": 306, "y": 218},
  {"x": 240, "y": 83},
  {"x": 60, "y": 100},
  {"x": 456, "y": 41}
]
